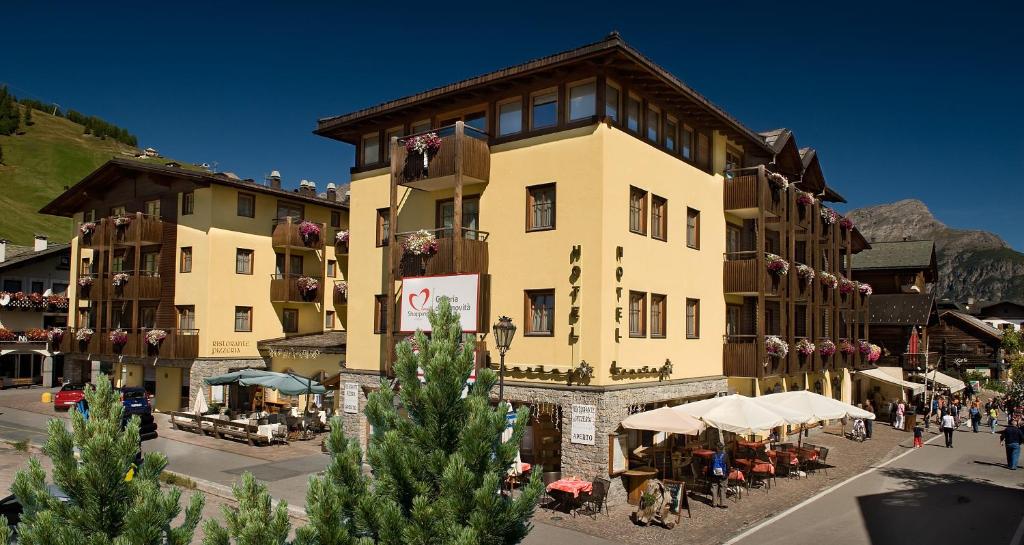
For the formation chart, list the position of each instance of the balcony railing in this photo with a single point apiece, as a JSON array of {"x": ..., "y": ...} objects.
[
  {"x": 298, "y": 234},
  {"x": 293, "y": 288},
  {"x": 176, "y": 343},
  {"x": 138, "y": 285},
  {"x": 462, "y": 147},
  {"x": 126, "y": 230},
  {"x": 743, "y": 272},
  {"x": 474, "y": 254},
  {"x": 749, "y": 190}
]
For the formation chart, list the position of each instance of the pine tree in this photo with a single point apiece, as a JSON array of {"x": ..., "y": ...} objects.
[
  {"x": 105, "y": 507},
  {"x": 28, "y": 116},
  {"x": 253, "y": 522},
  {"x": 437, "y": 468},
  {"x": 1, "y": 162}
]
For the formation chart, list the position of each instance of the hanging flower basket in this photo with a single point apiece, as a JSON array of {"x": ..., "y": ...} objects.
[
  {"x": 122, "y": 221},
  {"x": 846, "y": 347},
  {"x": 864, "y": 347},
  {"x": 778, "y": 181},
  {"x": 426, "y": 145},
  {"x": 828, "y": 280},
  {"x": 865, "y": 289},
  {"x": 155, "y": 336},
  {"x": 341, "y": 241},
  {"x": 847, "y": 286},
  {"x": 804, "y": 198},
  {"x": 776, "y": 347},
  {"x": 310, "y": 232},
  {"x": 874, "y": 353},
  {"x": 421, "y": 243},
  {"x": 307, "y": 286},
  {"x": 341, "y": 291},
  {"x": 828, "y": 216},
  {"x": 119, "y": 338},
  {"x": 846, "y": 224},
  {"x": 120, "y": 279},
  {"x": 6, "y": 335},
  {"x": 85, "y": 281},
  {"x": 826, "y": 348},
  {"x": 805, "y": 347},
  {"x": 805, "y": 272},
  {"x": 83, "y": 334},
  {"x": 37, "y": 335},
  {"x": 777, "y": 265},
  {"x": 87, "y": 228},
  {"x": 55, "y": 335}
]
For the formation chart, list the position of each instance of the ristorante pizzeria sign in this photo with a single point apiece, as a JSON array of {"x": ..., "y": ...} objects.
[{"x": 420, "y": 294}]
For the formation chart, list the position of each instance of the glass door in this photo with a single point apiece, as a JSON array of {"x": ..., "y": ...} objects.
[{"x": 470, "y": 217}]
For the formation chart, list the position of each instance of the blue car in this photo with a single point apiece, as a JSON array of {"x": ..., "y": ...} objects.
[{"x": 136, "y": 401}]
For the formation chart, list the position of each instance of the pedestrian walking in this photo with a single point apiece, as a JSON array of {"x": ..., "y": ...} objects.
[
  {"x": 993, "y": 417},
  {"x": 901, "y": 410},
  {"x": 718, "y": 475},
  {"x": 1011, "y": 438},
  {"x": 868, "y": 422},
  {"x": 948, "y": 425},
  {"x": 918, "y": 436},
  {"x": 975, "y": 413}
]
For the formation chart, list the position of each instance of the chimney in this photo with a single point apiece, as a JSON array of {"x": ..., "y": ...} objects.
[
  {"x": 311, "y": 188},
  {"x": 274, "y": 179},
  {"x": 332, "y": 191},
  {"x": 40, "y": 243},
  {"x": 3, "y": 250}
]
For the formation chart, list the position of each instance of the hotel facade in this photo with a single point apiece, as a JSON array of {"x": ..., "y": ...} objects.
[
  {"x": 179, "y": 275},
  {"x": 635, "y": 233}
]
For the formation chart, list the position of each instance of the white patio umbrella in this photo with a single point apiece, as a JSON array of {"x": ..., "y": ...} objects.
[
  {"x": 740, "y": 414},
  {"x": 200, "y": 406},
  {"x": 815, "y": 406},
  {"x": 665, "y": 419}
]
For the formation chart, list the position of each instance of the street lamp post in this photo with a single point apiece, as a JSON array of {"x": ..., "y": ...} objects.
[{"x": 504, "y": 330}]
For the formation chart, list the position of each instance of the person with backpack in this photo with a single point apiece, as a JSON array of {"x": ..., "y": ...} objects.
[
  {"x": 718, "y": 475},
  {"x": 975, "y": 413}
]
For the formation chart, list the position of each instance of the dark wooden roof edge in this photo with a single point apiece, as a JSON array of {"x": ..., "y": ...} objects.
[
  {"x": 613, "y": 42},
  {"x": 831, "y": 195},
  {"x": 27, "y": 258},
  {"x": 57, "y": 206},
  {"x": 973, "y": 322}
]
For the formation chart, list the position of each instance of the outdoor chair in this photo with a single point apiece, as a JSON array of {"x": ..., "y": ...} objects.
[
  {"x": 784, "y": 460},
  {"x": 549, "y": 477},
  {"x": 763, "y": 477},
  {"x": 700, "y": 484},
  {"x": 821, "y": 462},
  {"x": 594, "y": 501},
  {"x": 807, "y": 465}
]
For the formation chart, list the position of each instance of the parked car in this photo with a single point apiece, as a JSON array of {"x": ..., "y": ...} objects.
[
  {"x": 136, "y": 401},
  {"x": 68, "y": 396}
]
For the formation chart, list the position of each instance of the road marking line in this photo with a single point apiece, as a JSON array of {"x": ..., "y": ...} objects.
[
  {"x": 825, "y": 492},
  {"x": 1018, "y": 536}
]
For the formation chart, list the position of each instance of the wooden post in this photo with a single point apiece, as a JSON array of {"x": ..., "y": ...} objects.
[
  {"x": 790, "y": 216},
  {"x": 136, "y": 264},
  {"x": 393, "y": 255},
  {"x": 759, "y": 349},
  {"x": 457, "y": 236}
]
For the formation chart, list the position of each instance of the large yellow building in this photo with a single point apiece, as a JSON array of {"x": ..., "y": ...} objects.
[
  {"x": 619, "y": 218},
  {"x": 179, "y": 275}
]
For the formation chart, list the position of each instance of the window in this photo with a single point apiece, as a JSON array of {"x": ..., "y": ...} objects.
[
  {"x": 671, "y": 129},
  {"x": 582, "y": 100},
  {"x": 544, "y": 109},
  {"x": 335, "y": 218},
  {"x": 37, "y": 286},
  {"x": 687, "y": 143},
  {"x": 246, "y": 205},
  {"x": 243, "y": 319},
  {"x": 540, "y": 313},
  {"x": 91, "y": 215},
  {"x": 371, "y": 149},
  {"x": 150, "y": 263},
  {"x": 118, "y": 211},
  {"x": 659, "y": 218},
  {"x": 290, "y": 210},
  {"x": 733, "y": 160},
  {"x": 420, "y": 126},
  {"x": 703, "y": 150},
  {"x": 290, "y": 320},
  {"x": 540, "y": 207},
  {"x": 633, "y": 114},
  {"x": 733, "y": 319},
  {"x": 637, "y": 314},
  {"x": 653, "y": 124},
  {"x": 332, "y": 268},
  {"x": 147, "y": 315},
  {"x": 86, "y": 265},
  {"x": 383, "y": 226},
  {"x": 692, "y": 318},
  {"x": 118, "y": 262},
  {"x": 153, "y": 208},
  {"x": 658, "y": 316},
  {"x": 188, "y": 203},
  {"x": 294, "y": 265},
  {"x": 59, "y": 288},
  {"x": 611, "y": 102},
  {"x": 638, "y": 211},
  {"x": 329, "y": 319},
  {"x": 476, "y": 120},
  {"x": 395, "y": 132},
  {"x": 693, "y": 228},
  {"x": 243, "y": 261},
  {"x": 733, "y": 236},
  {"x": 510, "y": 117},
  {"x": 187, "y": 317},
  {"x": 445, "y": 217},
  {"x": 186, "y": 259},
  {"x": 380, "y": 313}
]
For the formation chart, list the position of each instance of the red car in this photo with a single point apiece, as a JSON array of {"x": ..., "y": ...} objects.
[{"x": 68, "y": 396}]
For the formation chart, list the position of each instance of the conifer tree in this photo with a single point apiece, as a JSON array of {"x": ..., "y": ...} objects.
[
  {"x": 1, "y": 162},
  {"x": 253, "y": 522},
  {"x": 105, "y": 507},
  {"x": 28, "y": 116},
  {"x": 437, "y": 466}
]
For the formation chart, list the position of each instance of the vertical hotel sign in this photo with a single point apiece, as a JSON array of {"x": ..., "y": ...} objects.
[{"x": 420, "y": 294}]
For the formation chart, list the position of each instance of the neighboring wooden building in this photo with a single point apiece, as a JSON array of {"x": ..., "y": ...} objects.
[
  {"x": 965, "y": 342},
  {"x": 1003, "y": 315}
]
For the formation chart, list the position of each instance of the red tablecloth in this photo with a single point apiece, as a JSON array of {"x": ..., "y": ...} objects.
[
  {"x": 571, "y": 486},
  {"x": 807, "y": 453},
  {"x": 703, "y": 453},
  {"x": 756, "y": 445},
  {"x": 736, "y": 475},
  {"x": 756, "y": 466},
  {"x": 774, "y": 455}
]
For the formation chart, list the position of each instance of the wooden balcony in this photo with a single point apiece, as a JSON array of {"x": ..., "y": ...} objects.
[
  {"x": 463, "y": 149},
  {"x": 803, "y": 215},
  {"x": 285, "y": 289},
  {"x": 97, "y": 291},
  {"x": 474, "y": 254},
  {"x": 140, "y": 229},
  {"x": 139, "y": 285},
  {"x": 288, "y": 233},
  {"x": 748, "y": 191},
  {"x": 177, "y": 344},
  {"x": 743, "y": 273},
  {"x": 745, "y": 356}
]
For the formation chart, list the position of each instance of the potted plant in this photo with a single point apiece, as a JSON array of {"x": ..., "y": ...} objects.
[
  {"x": 310, "y": 232},
  {"x": 846, "y": 347},
  {"x": 120, "y": 279},
  {"x": 341, "y": 291},
  {"x": 803, "y": 198},
  {"x": 307, "y": 286},
  {"x": 846, "y": 224},
  {"x": 777, "y": 181},
  {"x": 118, "y": 338},
  {"x": 155, "y": 337},
  {"x": 776, "y": 347},
  {"x": 865, "y": 289},
  {"x": 805, "y": 347},
  {"x": 805, "y": 273},
  {"x": 846, "y": 286},
  {"x": 341, "y": 241},
  {"x": 828, "y": 216},
  {"x": 864, "y": 347},
  {"x": 87, "y": 229},
  {"x": 826, "y": 348},
  {"x": 874, "y": 353},
  {"x": 776, "y": 265},
  {"x": 421, "y": 244},
  {"x": 122, "y": 222},
  {"x": 425, "y": 145}
]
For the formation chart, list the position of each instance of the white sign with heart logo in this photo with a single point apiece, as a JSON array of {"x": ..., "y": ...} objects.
[{"x": 422, "y": 293}]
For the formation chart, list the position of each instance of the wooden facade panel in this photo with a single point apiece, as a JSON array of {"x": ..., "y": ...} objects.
[
  {"x": 178, "y": 344},
  {"x": 470, "y": 150}
]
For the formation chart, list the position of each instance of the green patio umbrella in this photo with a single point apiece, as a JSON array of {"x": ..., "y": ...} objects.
[
  {"x": 235, "y": 376},
  {"x": 285, "y": 383}
]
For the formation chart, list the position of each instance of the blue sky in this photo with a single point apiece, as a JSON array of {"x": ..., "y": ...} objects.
[{"x": 901, "y": 99}]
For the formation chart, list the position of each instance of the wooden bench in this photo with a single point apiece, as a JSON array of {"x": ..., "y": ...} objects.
[
  {"x": 15, "y": 382},
  {"x": 217, "y": 427}
]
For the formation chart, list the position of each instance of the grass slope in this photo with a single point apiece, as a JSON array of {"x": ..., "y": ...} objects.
[{"x": 50, "y": 154}]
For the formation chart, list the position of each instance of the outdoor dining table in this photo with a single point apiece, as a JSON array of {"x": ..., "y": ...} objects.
[
  {"x": 566, "y": 489},
  {"x": 756, "y": 466},
  {"x": 638, "y": 478},
  {"x": 774, "y": 456},
  {"x": 703, "y": 452},
  {"x": 807, "y": 453}
]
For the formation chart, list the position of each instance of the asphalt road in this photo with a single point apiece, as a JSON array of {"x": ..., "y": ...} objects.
[{"x": 933, "y": 495}]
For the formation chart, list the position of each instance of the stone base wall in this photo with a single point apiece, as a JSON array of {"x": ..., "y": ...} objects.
[
  {"x": 202, "y": 369},
  {"x": 585, "y": 461}
]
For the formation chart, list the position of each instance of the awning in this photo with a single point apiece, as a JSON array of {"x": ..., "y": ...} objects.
[
  {"x": 954, "y": 384},
  {"x": 664, "y": 419},
  {"x": 880, "y": 375},
  {"x": 285, "y": 383}
]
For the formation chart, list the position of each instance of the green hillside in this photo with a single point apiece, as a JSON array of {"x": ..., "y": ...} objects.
[{"x": 38, "y": 163}]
